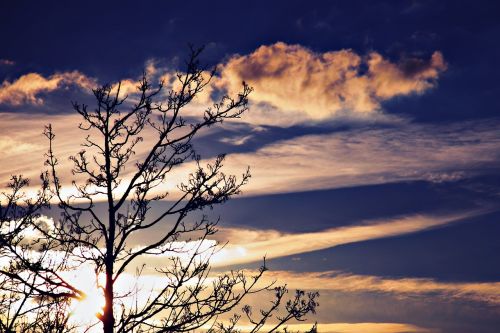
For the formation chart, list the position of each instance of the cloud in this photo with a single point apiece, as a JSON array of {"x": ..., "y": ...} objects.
[
  {"x": 12, "y": 146},
  {"x": 436, "y": 153},
  {"x": 23, "y": 144},
  {"x": 128, "y": 88},
  {"x": 412, "y": 75},
  {"x": 330, "y": 283},
  {"x": 25, "y": 147},
  {"x": 296, "y": 81},
  {"x": 292, "y": 83},
  {"x": 28, "y": 87},
  {"x": 237, "y": 141},
  {"x": 347, "y": 328},
  {"x": 252, "y": 245},
  {"x": 363, "y": 156},
  {"x": 485, "y": 292}
]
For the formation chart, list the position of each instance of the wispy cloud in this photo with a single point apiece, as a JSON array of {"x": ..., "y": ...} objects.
[
  {"x": 252, "y": 245},
  {"x": 24, "y": 144},
  {"x": 245, "y": 245},
  {"x": 236, "y": 141},
  {"x": 357, "y": 157},
  {"x": 486, "y": 292},
  {"x": 371, "y": 156}
]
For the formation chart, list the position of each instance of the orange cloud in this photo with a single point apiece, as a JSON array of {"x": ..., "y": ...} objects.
[
  {"x": 27, "y": 87},
  {"x": 319, "y": 86},
  {"x": 411, "y": 76}
]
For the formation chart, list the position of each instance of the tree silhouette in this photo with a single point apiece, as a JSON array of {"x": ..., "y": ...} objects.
[
  {"x": 108, "y": 169},
  {"x": 23, "y": 289}
]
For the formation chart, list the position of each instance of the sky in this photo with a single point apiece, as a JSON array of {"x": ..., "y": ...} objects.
[{"x": 372, "y": 138}]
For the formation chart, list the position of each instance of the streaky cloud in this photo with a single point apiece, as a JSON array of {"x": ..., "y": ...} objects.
[
  {"x": 407, "y": 287},
  {"x": 435, "y": 153},
  {"x": 252, "y": 245},
  {"x": 362, "y": 156}
]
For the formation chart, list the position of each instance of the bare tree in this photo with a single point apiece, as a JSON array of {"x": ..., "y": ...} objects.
[
  {"x": 26, "y": 303},
  {"x": 108, "y": 169}
]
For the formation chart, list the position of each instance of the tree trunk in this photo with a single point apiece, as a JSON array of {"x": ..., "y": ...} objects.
[{"x": 108, "y": 318}]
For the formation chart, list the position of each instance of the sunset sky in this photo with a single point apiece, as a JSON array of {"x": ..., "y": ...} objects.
[{"x": 373, "y": 138}]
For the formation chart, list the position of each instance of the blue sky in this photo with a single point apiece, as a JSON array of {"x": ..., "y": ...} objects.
[{"x": 379, "y": 114}]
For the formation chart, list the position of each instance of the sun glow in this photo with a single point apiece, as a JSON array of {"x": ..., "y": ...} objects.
[{"x": 85, "y": 311}]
